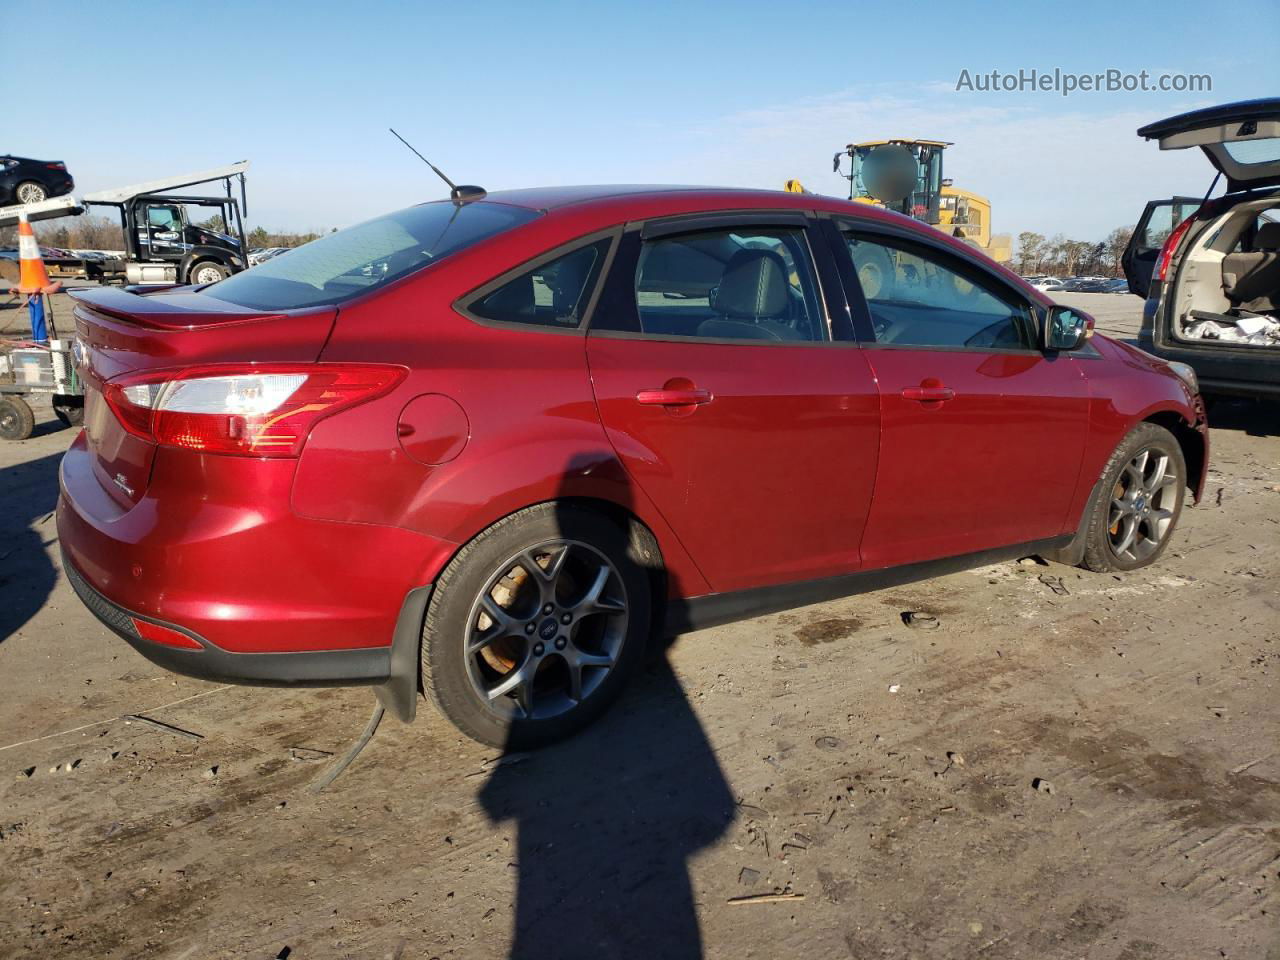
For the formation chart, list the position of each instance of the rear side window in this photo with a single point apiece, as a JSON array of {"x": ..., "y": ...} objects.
[
  {"x": 916, "y": 297},
  {"x": 733, "y": 284},
  {"x": 552, "y": 294},
  {"x": 1164, "y": 217},
  {"x": 358, "y": 259}
]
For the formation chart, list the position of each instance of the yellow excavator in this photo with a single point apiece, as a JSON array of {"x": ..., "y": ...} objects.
[{"x": 906, "y": 176}]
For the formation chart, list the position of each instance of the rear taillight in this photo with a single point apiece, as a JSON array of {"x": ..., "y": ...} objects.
[
  {"x": 1170, "y": 246},
  {"x": 260, "y": 410},
  {"x": 56, "y": 166}
]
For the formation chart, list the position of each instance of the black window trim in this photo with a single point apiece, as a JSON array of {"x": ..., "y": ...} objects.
[
  {"x": 613, "y": 234},
  {"x": 823, "y": 270},
  {"x": 946, "y": 256}
]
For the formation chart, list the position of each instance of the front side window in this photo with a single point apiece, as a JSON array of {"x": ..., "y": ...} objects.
[
  {"x": 917, "y": 299},
  {"x": 552, "y": 294},
  {"x": 729, "y": 284},
  {"x": 353, "y": 261}
]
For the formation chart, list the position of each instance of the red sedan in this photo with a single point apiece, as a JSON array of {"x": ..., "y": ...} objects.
[{"x": 486, "y": 447}]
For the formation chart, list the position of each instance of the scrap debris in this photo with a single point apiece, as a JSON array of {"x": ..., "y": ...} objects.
[
  {"x": 919, "y": 620},
  {"x": 764, "y": 898},
  {"x": 1055, "y": 584},
  {"x": 158, "y": 725}
]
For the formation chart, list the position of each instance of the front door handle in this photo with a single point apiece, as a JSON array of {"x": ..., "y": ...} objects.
[
  {"x": 668, "y": 397},
  {"x": 930, "y": 391}
]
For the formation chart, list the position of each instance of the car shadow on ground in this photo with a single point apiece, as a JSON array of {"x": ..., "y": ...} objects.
[
  {"x": 29, "y": 492},
  {"x": 1256, "y": 418},
  {"x": 608, "y": 820}
]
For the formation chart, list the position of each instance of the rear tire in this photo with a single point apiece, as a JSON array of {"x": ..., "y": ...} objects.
[
  {"x": 207, "y": 271},
  {"x": 561, "y": 642},
  {"x": 31, "y": 192},
  {"x": 1137, "y": 503},
  {"x": 16, "y": 419}
]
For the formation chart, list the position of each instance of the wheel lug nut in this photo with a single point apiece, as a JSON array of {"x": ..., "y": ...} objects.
[
  {"x": 538, "y": 649},
  {"x": 560, "y": 643},
  {"x": 547, "y": 609},
  {"x": 528, "y": 628},
  {"x": 566, "y": 618}
]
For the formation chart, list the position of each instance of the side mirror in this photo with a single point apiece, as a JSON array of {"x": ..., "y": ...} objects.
[{"x": 1066, "y": 328}]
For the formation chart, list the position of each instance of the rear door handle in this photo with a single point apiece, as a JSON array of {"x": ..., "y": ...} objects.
[
  {"x": 664, "y": 397},
  {"x": 928, "y": 393}
]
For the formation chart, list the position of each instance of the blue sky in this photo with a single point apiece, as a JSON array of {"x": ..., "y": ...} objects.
[{"x": 518, "y": 94}]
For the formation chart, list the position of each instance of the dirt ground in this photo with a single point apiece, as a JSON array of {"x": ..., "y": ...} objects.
[{"x": 1071, "y": 765}]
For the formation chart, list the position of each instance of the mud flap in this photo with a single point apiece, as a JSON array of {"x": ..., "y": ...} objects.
[{"x": 399, "y": 694}]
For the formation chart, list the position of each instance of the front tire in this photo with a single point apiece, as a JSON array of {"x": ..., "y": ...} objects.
[
  {"x": 534, "y": 627},
  {"x": 1137, "y": 503},
  {"x": 207, "y": 271}
]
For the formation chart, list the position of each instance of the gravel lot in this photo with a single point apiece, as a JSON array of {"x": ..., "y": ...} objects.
[{"x": 1072, "y": 765}]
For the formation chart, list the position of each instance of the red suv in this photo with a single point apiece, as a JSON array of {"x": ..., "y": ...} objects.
[{"x": 489, "y": 445}]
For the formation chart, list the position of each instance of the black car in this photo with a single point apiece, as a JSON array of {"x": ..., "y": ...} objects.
[
  {"x": 1210, "y": 269},
  {"x": 29, "y": 181}
]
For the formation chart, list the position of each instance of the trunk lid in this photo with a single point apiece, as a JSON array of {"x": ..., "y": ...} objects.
[
  {"x": 119, "y": 332},
  {"x": 1242, "y": 140}
]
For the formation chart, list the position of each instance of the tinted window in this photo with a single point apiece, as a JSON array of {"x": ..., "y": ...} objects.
[
  {"x": 553, "y": 294},
  {"x": 1264, "y": 150},
  {"x": 744, "y": 284},
  {"x": 916, "y": 299},
  {"x": 360, "y": 258}
]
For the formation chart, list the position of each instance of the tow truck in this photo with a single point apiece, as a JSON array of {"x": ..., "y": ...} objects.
[{"x": 163, "y": 243}]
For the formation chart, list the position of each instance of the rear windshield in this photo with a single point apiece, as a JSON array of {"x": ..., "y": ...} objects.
[
  {"x": 1265, "y": 150},
  {"x": 358, "y": 259}
]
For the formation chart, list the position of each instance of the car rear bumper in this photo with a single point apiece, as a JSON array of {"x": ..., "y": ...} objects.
[
  {"x": 268, "y": 596},
  {"x": 308, "y": 668}
]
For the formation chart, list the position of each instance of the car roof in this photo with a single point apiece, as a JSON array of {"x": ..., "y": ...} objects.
[
  {"x": 614, "y": 203},
  {"x": 552, "y": 198},
  {"x": 634, "y": 200}
]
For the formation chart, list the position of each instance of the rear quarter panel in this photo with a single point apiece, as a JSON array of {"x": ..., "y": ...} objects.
[{"x": 532, "y": 430}]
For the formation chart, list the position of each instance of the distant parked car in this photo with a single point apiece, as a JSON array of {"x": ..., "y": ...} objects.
[
  {"x": 1044, "y": 284},
  {"x": 482, "y": 444},
  {"x": 1118, "y": 285},
  {"x": 265, "y": 254},
  {"x": 30, "y": 181}
]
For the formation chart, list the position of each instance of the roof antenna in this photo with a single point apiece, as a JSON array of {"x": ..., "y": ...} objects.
[{"x": 459, "y": 194}]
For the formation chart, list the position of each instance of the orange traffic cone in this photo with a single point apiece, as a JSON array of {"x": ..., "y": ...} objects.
[{"x": 33, "y": 277}]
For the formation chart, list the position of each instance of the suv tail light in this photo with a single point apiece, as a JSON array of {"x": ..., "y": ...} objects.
[
  {"x": 1171, "y": 245},
  {"x": 255, "y": 410},
  {"x": 56, "y": 166}
]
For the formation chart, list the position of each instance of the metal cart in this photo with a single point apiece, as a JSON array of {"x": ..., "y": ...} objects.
[{"x": 28, "y": 368}]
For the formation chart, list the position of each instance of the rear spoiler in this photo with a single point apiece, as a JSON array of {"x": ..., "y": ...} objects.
[{"x": 160, "y": 310}]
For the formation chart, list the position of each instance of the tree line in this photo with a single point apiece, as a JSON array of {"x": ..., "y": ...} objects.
[
  {"x": 1059, "y": 256},
  {"x": 104, "y": 233}
]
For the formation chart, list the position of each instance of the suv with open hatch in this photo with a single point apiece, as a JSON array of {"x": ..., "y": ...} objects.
[
  {"x": 486, "y": 447},
  {"x": 1210, "y": 268}
]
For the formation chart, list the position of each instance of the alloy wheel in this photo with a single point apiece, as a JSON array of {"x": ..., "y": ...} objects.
[
  {"x": 1142, "y": 505},
  {"x": 31, "y": 193},
  {"x": 546, "y": 630}
]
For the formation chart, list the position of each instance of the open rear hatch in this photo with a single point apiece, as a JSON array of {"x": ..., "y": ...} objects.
[
  {"x": 1242, "y": 140},
  {"x": 121, "y": 333}
]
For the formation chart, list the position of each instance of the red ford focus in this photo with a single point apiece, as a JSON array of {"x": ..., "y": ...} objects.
[{"x": 484, "y": 448}]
